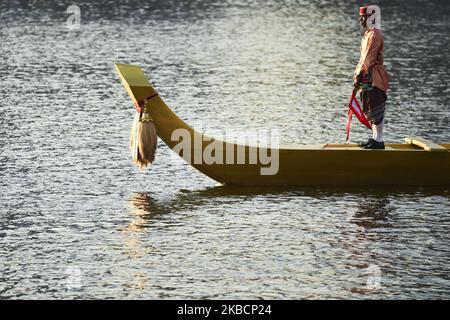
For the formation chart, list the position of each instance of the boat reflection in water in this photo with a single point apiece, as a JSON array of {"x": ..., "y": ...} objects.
[
  {"x": 141, "y": 207},
  {"x": 368, "y": 225},
  {"x": 373, "y": 213}
]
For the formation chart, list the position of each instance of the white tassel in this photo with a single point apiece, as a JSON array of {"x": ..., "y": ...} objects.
[{"x": 143, "y": 140}]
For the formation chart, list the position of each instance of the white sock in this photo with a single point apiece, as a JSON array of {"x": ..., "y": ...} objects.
[{"x": 378, "y": 131}]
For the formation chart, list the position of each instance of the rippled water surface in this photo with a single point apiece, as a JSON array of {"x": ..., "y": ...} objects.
[{"x": 78, "y": 220}]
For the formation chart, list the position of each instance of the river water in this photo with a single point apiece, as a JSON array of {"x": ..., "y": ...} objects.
[{"x": 79, "y": 220}]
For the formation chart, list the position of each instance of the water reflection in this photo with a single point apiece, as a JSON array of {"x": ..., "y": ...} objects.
[
  {"x": 138, "y": 282},
  {"x": 373, "y": 213},
  {"x": 373, "y": 208},
  {"x": 377, "y": 194},
  {"x": 142, "y": 208}
]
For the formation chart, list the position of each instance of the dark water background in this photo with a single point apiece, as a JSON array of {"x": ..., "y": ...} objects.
[{"x": 78, "y": 220}]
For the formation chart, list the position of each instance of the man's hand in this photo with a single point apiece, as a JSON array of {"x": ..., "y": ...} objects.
[{"x": 357, "y": 80}]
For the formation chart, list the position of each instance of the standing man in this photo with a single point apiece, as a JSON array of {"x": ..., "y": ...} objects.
[{"x": 370, "y": 75}]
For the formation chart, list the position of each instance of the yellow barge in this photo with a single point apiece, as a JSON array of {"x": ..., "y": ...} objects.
[{"x": 418, "y": 162}]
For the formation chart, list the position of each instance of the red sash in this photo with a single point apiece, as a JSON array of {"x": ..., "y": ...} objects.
[{"x": 355, "y": 108}]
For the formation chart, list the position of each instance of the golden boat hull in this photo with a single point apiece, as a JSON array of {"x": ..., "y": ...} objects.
[{"x": 319, "y": 165}]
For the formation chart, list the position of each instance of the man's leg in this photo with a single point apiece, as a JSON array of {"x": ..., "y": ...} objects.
[
  {"x": 365, "y": 106},
  {"x": 378, "y": 131},
  {"x": 374, "y": 104},
  {"x": 377, "y": 142}
]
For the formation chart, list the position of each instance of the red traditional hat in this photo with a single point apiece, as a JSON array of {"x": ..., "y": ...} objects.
[
  {"x": 363, "y": 11},
  {"x": 366, "y": 10}
]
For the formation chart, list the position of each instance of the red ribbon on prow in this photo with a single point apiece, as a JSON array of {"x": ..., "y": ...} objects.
[{"x": 141, "y": 103}]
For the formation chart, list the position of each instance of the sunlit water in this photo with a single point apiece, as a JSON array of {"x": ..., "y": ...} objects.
[{"x": 78, "y": 220}]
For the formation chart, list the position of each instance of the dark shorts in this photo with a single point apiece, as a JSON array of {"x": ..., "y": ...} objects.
[{"x": 374, "y": 104}]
